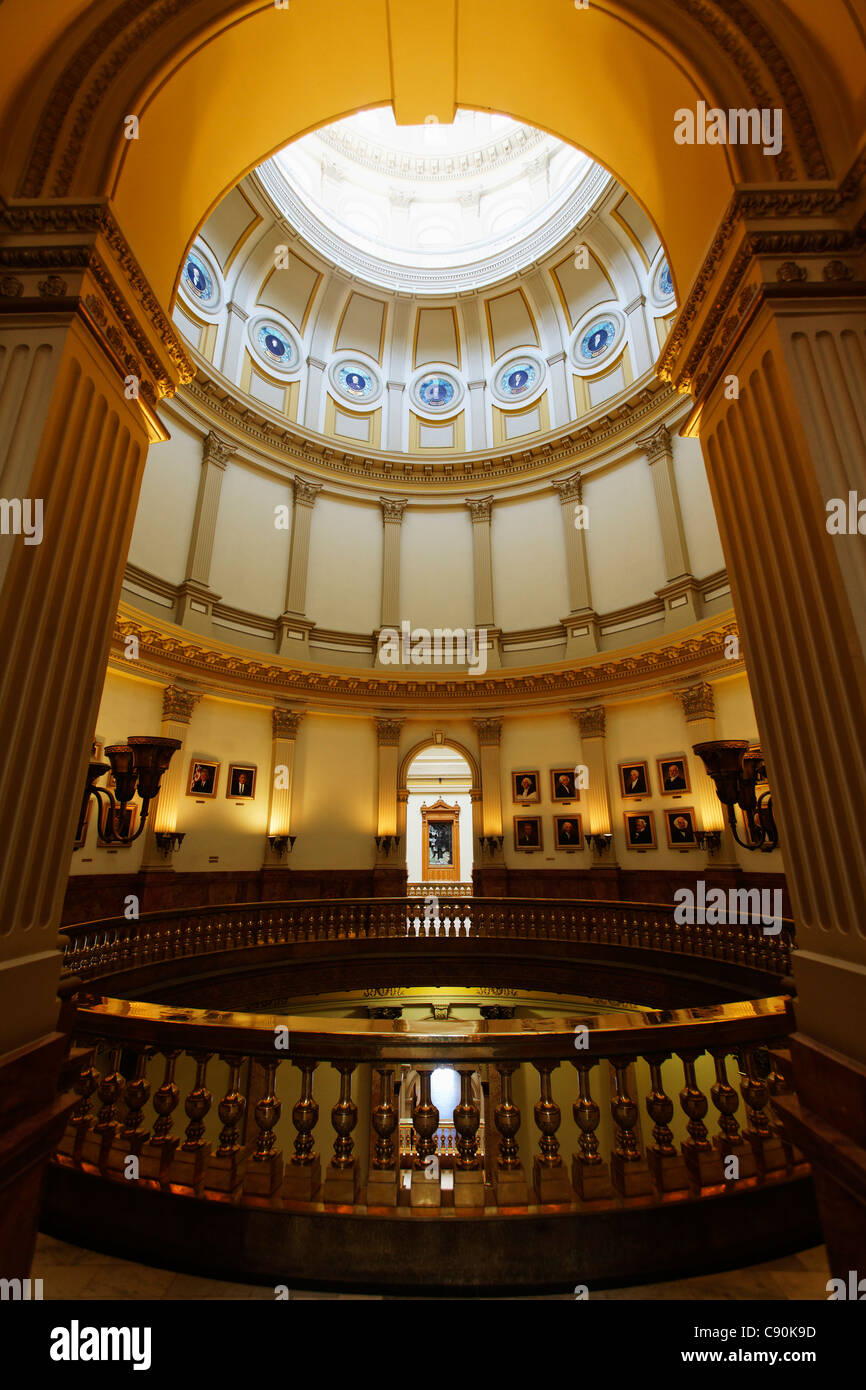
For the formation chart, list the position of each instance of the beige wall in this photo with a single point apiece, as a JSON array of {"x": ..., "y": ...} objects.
[
  {"x": 344, "y": 585},
  {"x": 166, "y": 504},
  {"x": 250, "y": 555}
]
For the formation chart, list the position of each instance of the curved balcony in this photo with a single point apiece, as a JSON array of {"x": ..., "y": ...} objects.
[{"x": 590, "y": 1149}]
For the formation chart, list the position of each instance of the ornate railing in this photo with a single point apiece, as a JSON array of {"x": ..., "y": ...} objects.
[
  {"x": 435, "y": 890},
  {"x": 632, "y": 1134},
  {"x": 114, "y": 944}
]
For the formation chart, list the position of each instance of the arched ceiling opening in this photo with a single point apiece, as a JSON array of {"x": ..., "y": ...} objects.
[{"x": 219, "y": 85}]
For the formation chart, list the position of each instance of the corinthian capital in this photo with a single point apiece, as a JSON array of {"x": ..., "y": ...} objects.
[
  {"x": 591, "y": 722},
  {"x": 286, "y": 722},
  {"x": 480, "y": 507},
  {"x": 489, "y": 732},
  {"x": 216, "y": 451},
  {"x": 305, "y": 491},
  {"x": 393, "y": 508},
  {"x": 388, "y": 732},
  {"x": 569, "y": 489},
  {"x": 657, "y": 444},
  {"x": 697, "y": 702},
  {"x": 178, "y": 704}
]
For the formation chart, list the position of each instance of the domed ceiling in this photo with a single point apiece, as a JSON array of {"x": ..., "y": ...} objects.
[{"x": 430, "y": 291}]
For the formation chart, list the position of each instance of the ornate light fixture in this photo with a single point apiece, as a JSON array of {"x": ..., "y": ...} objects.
[
  {"x": 385, "y": 843},
  {"x": 282, "y": 844},
  {"x": 491, "y": 844},
  {"x": 736, "y": 768},
  {"x": 709, "y": 840},
  {"x": 137, "y": 767},
  {"x": 169, "y": 841},
  {"x": 599, "y": 842}
]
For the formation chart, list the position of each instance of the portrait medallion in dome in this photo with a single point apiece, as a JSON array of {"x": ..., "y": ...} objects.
[
  {"x": 276, "y": 347},
  {"x": 355, "y": 382},
  {"x": 197, "y": 280},
  {"x": 517, "y": 380},
  {"x": 597, "y": 340},
  {"x": 436, "y": 392},
  {"x": 663, "y": 283}
]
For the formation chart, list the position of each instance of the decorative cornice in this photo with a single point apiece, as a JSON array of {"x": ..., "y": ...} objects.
[
  {"x": 489, "y": 732},
  {"x": 306, "y": 491},
  {"x": 178, "y": 703},
  {"x": 171, "y": 650},
  {"x": 481, "y": 509},
  {"x": 697, "y": 702},
  {"x": 388, "y": 732},
  {"x": 657, "y": 445},
  {"x": 286, "y": 722},
  {"x": 216, "y": 451},
  {"x": 393, "y": 508},
  {"x": 569, "y": 489},
  {"x": 591, "y": 722}
]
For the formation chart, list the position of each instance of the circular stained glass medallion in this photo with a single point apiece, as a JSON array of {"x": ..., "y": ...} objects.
[
  {"x": 356, "y": 382},
  {"x": 665, "y": 282},
  {"x": 597, "y": 340},
  {"x": 197, "y": 278},
  {"x": 518, "y": 379},
  {"x": 276, "y": 346},
  {"x": 435, "y": 392}
]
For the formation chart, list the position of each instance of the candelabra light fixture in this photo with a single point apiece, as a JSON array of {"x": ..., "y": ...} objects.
[
  {"x": 137, "y": 767},
  {"x": 282, "y": 844},
  {"x": 709, "y": 840},
  {"x": 737, "y": 769},
  {"x": 599, "y": 842},
  {"x": 169, "y": 841},
  {"x": 386, "y": 843},
  {"x": 491, "y": 844}
]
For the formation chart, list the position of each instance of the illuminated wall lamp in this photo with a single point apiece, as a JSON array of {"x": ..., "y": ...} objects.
[
  {"x": 734, "y": 766},
  {"x": 282, "y": 844},
  {"x": 599, "y": 842},
  {"x": 137, "y": 767},
  {"x": 169, "y": 841},
  {"x": 710, "y": 840}
]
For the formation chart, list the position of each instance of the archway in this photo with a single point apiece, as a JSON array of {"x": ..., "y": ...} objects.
[{"x": 438, "y": 785}]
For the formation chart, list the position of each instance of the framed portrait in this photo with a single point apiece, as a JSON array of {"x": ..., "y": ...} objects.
[
  {"x": 124, "y": 822},
  {"x": 526, "y": 786},
  {"x": 562, "y": 784},
  {"x": 242, "y": 782},
  {"x": 634, "y": 779},
  {"x": 673, "y": 775},
  {"x": 567, "y": 833},
  {"x": 527, "y": 833},
  {"x": 680, "y": 827},
  {"x": 203, "y": 778},
  {"x": 640, "y": 830},
  {"x": 440, "y": 841}
]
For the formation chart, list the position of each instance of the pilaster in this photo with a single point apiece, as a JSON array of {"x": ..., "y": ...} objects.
[
  {"x": 295, "y": 627},
  {"x": 680, "y": 595},
  {"x": 581, "y": 625},
  {"x": 592, "y": 723},
  {"x": 196, "y": 600}
]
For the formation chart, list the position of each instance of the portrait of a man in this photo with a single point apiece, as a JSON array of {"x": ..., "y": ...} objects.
[
  {"x": 568, "y": 832},
  {"x": 355, "y": 382},
  {"x": 525, "y": 786},
  {"x": 527, "y": 832},
  {"x": 680, "y": 826},
  {"x": 673, "y": 775},
  {"x": 242, "y": 782},
  {"x": 634, "y": 779},
  {"x": 439, "y": 837},
  {"x": 562, "y": 785},
  {"x": 640, "y": 831},
  {"x": 202, "y": 778}
]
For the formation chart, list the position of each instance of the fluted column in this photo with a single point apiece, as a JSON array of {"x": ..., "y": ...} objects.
[
  {"x": 698, "y": 706},
  {"x": 489, "y": 737},
  {"x": 390, "y": 871},
  {"x": 482, "y": 571},
  {"x": 285, "y": 724},
  {"x": 295, "y": 627},
  {"x": 392, "y": 522},
  {"x": 581, "y": 625},
  {"x": 593, "y": 729},
  {"x": 680, "y": 594},
  {"x": 178, "y": 704},
  {"x": 196, "y": 598}
]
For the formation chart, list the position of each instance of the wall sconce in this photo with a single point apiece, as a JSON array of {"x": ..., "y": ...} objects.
[
  {"x": 137, "y": 766},
  {"x": 600, "y": 843},
  {"x": 491, "y": 844},
  {"x": 735, "y": 767},
  {"x": 282, "y": 844},
  {"x": 710, "y": 840},
  {"x": 385, "y": 843},
  {"x": 169, "y": 841}
]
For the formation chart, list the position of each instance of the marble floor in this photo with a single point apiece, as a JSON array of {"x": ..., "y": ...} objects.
[{"x": 70, "y": 1272}]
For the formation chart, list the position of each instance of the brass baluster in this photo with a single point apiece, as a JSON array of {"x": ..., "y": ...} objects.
[
  {"x": 227, "y": 1167},
  {"x": 426, "y": 1187},
  {"x": 729, "y": 1141},
  {"x": 549, "y": 1176},
  {"x": 158, "y": 1151},
  {"x": 511, "y": 1186},
  {"x": 702, "y": 1160},
  {"x": 468, "y": 1174},
  {"x": 188, "y": 1166},
  {"x": 130, "y": 1135},
  {"x": 590, "y": 1174},
  {"x": 265, "y": 1170},
  {"x": 342, "y": 1178},
  {"x": 767, "y": 1147},
  {"x": 666, "y": 1164},
  {"x": 304, "y": 1170},
  {"x": 383, "y": 1180},
  {"x": 86, "y": 1082},
  {"x": 629, "y": 1170},
  {"x": 97, "y": 1142}
]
